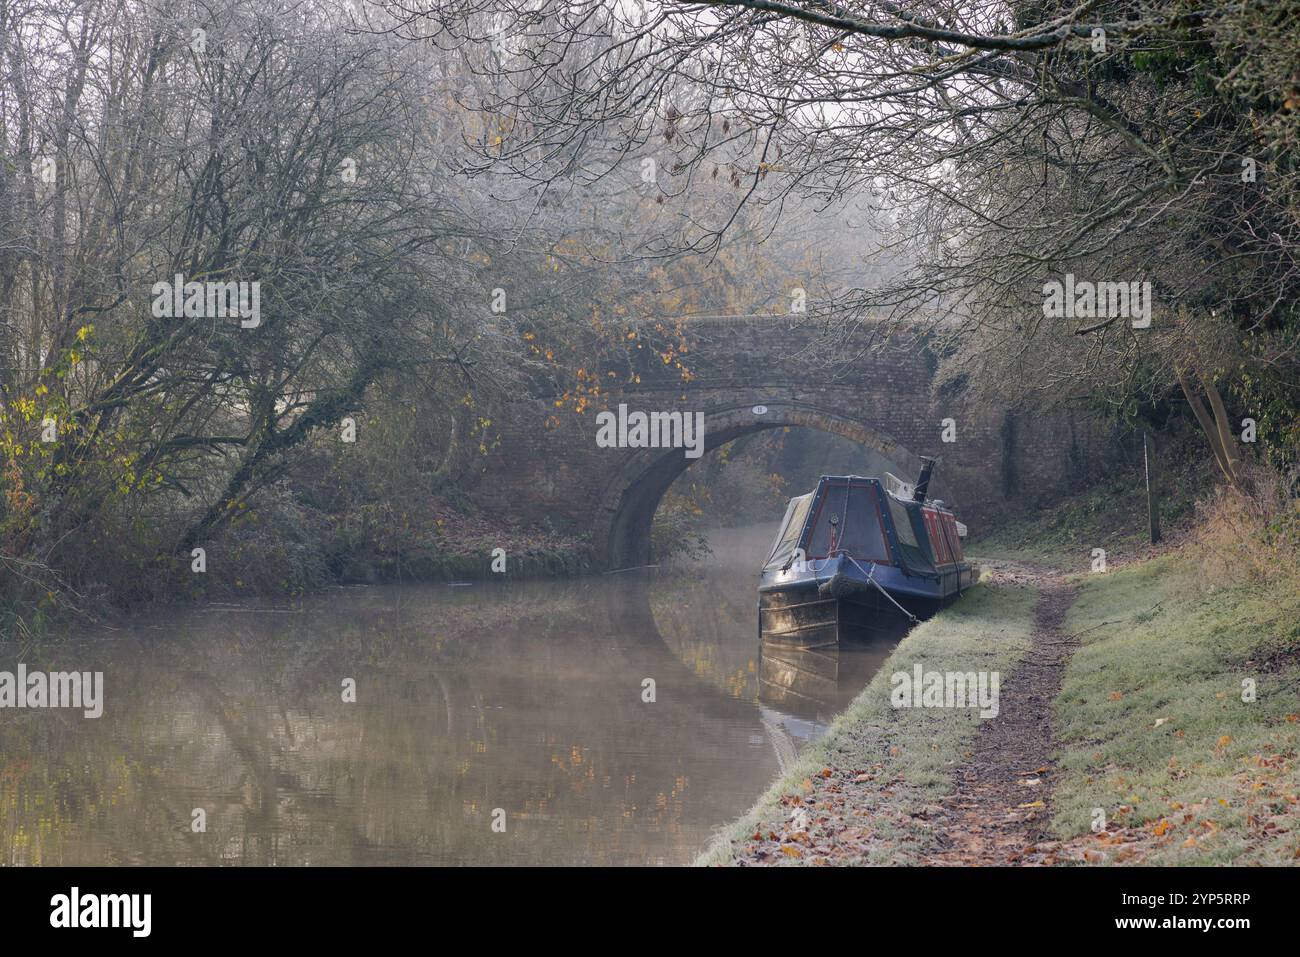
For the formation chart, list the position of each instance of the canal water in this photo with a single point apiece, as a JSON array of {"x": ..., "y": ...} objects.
[{"x": 523, "y": 704}]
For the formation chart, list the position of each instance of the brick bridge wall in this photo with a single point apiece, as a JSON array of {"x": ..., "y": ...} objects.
[{"x": 1000, "y": 464}]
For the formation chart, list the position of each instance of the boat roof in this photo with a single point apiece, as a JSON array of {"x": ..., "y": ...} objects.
[{"x": 896, "y": 487}]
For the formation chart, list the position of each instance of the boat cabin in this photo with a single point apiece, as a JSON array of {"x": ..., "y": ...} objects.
[{"x": 860, "y": 517}]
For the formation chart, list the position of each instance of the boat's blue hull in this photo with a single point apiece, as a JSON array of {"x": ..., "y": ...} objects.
[
  {"x": 829, "y": 599},
  {"x": 948, "y": 581}
]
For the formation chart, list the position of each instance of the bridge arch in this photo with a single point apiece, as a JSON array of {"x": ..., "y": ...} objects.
[{"x": 634, "y": 491}]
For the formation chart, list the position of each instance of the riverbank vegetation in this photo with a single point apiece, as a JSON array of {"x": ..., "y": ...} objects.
[
  {"x": 1111, "y": 515},
  {"x": 1178, "y": 715}
]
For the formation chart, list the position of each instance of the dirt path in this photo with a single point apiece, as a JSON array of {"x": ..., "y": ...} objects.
[{"x": 1000, "y": 808}]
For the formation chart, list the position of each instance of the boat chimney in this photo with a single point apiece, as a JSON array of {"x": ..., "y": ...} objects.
[{"x": 923, "y": 480}]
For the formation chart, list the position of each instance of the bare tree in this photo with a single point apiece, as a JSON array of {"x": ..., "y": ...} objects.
[
  {"x": 274, "y": 149},
  {"x": 1010, "y": 144}
]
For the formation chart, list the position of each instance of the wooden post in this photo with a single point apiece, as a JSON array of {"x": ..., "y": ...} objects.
[{"x": 1153, "y": 498}]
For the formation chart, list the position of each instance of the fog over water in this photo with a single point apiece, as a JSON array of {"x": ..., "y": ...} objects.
[{"x": 524, "y": 697}]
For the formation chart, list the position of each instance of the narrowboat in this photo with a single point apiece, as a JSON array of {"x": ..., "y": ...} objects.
[{"x": 855, "y": 548}]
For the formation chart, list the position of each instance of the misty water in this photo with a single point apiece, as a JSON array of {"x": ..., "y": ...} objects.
[{"x": 525, "y": 697}]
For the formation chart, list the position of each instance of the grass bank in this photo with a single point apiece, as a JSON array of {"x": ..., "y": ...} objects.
[
  {"x": 1111, "y": 515},
  {"x": 888, "y": 764},
  {"x": 1177, "y": 719}
]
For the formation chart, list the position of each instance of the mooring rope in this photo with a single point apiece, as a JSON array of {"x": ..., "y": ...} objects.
[{"x": 871, "y": 577}]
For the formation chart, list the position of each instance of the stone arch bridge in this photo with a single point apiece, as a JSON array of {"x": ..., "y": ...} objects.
[{"x": 773, "y": 372}]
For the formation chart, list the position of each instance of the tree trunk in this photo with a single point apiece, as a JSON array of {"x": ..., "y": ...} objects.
[{"x": 1214, "y": 427}]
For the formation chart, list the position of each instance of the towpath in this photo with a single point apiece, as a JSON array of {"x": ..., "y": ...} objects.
[{"x": 1000, "y": 808}]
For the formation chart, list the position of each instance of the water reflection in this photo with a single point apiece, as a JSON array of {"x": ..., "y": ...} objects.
[
  {"x": 527, "y": 698},
  {"x": 817, "y": 683},
  {"x": 801, "y": 687}
]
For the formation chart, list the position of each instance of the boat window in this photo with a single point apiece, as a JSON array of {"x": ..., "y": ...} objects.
[
  {"x": 939, "y": 529},
  {"x": 902, "y": 522},
  {"x": 787, "y": 539},
  {"x": 938, "y": 543},
  {"x": 864, "y": 538},
  {"x": 954, "y": 540},
  {"x": 910, "y": 529}
]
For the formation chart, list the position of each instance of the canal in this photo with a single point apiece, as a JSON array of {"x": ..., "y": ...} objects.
[{"x": 226, "y": 737}]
